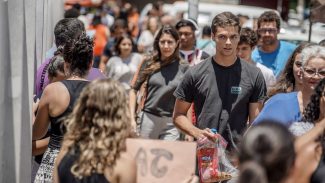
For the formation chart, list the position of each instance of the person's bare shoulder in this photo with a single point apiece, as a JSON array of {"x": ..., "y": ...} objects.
[{"x": 125, "y": 169}]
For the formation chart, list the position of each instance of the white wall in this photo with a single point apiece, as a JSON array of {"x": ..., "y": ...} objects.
[{"x": 26, "y": 32}]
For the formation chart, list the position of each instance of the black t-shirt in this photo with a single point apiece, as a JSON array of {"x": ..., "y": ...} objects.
[
  {"x": 161, "y": 85},
  {"x": 221, "y": 95}
]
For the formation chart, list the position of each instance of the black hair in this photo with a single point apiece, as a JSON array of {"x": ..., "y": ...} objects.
[
  {"x": 119, "y": 40},
  {"x": 206, "y": 30},
  {"x": 97, "y": 19},
  {"x": 248, "y": 36},
  {"x": 269, "y": 16},
  {"x": 71, "y": 13},
  {"x": 78, "y": 54},
  {"x": 121, "y": 23},
  {"x": 184, "y": 23},
  {"x": 67, "y": 29},
  {"x": 56, "y": 64},
  {"x": 312, "y": 111},
  {"x": 270, "y": 146},
  {"x": 225, "y": 19}
]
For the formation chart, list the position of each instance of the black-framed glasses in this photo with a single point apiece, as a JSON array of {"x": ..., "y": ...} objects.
[{"x": 313, "y": 72}]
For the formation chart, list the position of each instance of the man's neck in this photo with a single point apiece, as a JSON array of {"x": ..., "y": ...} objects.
[
  {"x": 250, "y": 61},
  {"x": 187, "y": 48},
  {"x": 270, "y": 48},
  {"x": 225, "y": 60}
]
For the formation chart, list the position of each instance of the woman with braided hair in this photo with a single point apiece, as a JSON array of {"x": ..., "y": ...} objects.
[
  {"x": 312, "y": 127},
  {"x": 58, "y": 99}
]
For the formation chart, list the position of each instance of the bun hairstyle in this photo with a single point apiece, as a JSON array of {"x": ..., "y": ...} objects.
[
  {"x": 252, "y": 172},
  {"x": 78, "y": 53},
  {"x": 266, "y": 153}
]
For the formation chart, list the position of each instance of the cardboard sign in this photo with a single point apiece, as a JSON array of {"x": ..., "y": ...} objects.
[{"x": 162, "y": 161}]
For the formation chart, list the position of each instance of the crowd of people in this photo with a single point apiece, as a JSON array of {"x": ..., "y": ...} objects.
[{"x": 156, "y": 78}]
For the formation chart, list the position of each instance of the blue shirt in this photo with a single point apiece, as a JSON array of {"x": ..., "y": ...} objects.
[
  {"x": 275, "y": 60},
  {"x": 282, "y": 108}
]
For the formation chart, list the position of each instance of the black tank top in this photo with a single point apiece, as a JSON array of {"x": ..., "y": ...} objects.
[
  {"x": 74, "y": 87},
  {"x": 65, "y": 175}
]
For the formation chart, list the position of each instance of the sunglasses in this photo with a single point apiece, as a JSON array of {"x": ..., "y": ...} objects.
[{"x": 269, "y": 30}]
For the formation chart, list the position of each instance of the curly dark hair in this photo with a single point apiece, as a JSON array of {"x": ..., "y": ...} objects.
[
  {"x": 269, "y": 16},
  {"x": 67, "y": 29},
  {"x": 78, "y": 53},
  {"x": 312, "y": 111},
  {"x": 56, "y": 64},
  {"x": 98, "y": 127},
  {"x": 248, "y": 36}
]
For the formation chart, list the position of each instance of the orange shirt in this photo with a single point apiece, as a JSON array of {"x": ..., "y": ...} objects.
[{"x": 100, "y": 38}]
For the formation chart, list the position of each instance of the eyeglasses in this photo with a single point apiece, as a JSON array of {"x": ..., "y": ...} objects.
[
  {"x": 269, "y": 30},
  {"x": 298, "y": 63},
  {"x": 169, "y": 43},
  {"x": 224, "y": 38},
  {"x": 313, "y": 72}
]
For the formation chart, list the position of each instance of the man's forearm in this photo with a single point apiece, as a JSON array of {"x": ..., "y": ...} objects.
[{"x": 185, "y": 125}]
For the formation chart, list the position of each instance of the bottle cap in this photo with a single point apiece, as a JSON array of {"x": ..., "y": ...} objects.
[{"x": 213, "y": 130}]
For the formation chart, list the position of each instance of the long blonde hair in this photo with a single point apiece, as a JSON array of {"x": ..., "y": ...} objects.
[{"x": 98, "y": 127}]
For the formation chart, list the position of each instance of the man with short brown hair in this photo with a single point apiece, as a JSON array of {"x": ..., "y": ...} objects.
[
  {"x": 272, "y": 53},
  {"x": 225, "y": 90}
]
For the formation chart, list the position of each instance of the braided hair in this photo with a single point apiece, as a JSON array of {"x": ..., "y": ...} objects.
[{"x": 312, "y": 111}]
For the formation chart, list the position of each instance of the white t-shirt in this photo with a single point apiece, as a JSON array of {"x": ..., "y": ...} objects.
[
  {"x": 146, "y": 39},
  {"x": 267, "y": 74},
  {"x": 123, "y": 70}
]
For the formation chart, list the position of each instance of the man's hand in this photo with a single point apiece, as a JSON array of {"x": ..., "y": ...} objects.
[{"x": 205, "y": 133}]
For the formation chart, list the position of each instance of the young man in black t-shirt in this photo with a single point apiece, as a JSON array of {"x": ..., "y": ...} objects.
[{"x": 226, "y": 91}]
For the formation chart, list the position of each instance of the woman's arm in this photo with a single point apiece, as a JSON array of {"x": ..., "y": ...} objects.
[
  {"x": 41, "y": 122},
  {"x": 40, "y": 146},
  {"x": 132, "y": 104}
]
